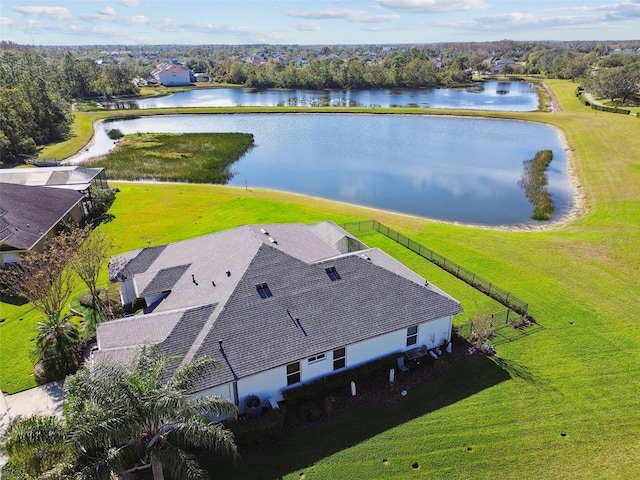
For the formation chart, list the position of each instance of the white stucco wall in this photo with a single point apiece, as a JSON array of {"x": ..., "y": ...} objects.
[
  {"x": 171, "y": 78},
  {"x": 127, "y": 292},
  {"x": 272, "y": 382}
]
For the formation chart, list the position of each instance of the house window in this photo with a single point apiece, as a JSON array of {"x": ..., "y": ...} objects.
[
  {"x": 339, "y": 358},
  {"x": 293, "y": 373},
  {"x": 10, "y": 259},
  {"x": 333, "y": 273},
  {"x": 317, "y": 358},
  {"x": 263, "y": 290},
  {"x": 412, "y": 335}
]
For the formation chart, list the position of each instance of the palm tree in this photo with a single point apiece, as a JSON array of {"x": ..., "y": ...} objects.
[
  {"x": 37, "y": 445},
  {"x": 56, "y": 347},
  {"x": 140, "y": 416}
]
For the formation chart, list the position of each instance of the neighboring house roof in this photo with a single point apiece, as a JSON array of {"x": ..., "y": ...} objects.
[
  {"x": 504, "y": 61},
  {"x": 321, "y": 294},
  {"x": 28, "y": 213},
  {"x": 71, "y": 177},
  {"x": 169, "y": 68}
]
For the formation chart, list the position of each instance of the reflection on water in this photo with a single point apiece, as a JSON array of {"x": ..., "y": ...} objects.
[
  {"x": 455, "y": 169},
  {"x": 504, "y": 96}
]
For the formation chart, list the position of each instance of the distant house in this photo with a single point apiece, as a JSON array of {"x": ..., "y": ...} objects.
[
  {"x": 202, "y": 77},
  {"x": 29, "y": 215},
  {"x": 502, "y": 65},
  {"x": 276, "y": 305},
  {"x": 171, "y": 74}
]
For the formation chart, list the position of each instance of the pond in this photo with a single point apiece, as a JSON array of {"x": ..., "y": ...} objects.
[
  {"x": 502, "y": 96},
  {"x": 447, "y": 168}
]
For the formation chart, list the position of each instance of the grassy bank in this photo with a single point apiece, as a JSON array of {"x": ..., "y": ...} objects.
[
  {"x": 193, "y": 157},
  {"x": 576, "y": 375}
]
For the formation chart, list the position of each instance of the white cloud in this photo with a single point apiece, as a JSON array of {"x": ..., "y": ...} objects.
[
  {"x": 56, "y": 13},
  {"x": 354, "y": 16},
  {"x": 624, "y": 10},
  {"x": 601, "y": 17},
  {"x": 107, "y": 11},
  {"x": 433, "y": 6},
  {"x": 5, "y": 22},
  {"x": 527, "y": 21},
  {"x": 130, "y": 3},
  {"x": 134, "y": 20},
  {"x": 112, "y": 18},
  {"x": 306, "y": 27},
  {"x": 327, "y": 14},
  {"x": 377, "y": 18}
]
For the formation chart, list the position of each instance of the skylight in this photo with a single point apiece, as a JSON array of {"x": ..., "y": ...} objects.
[
  {"x": 263, "y": 290},
  {"x": 333, "y": 273}
]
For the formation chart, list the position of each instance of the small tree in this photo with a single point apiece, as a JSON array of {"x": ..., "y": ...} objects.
[
  {"x": 87, "y": 263},
  {"x": 41, "y": 277},
  {"x": 56, "y": 348}
]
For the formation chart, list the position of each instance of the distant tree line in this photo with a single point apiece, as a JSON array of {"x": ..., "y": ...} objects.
[
  {"x": 414, "y": 68},
  {"x": 36, "y": 95}
]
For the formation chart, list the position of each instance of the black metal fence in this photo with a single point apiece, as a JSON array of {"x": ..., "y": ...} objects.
[
  {"x": 502, "y": 296},
  {"x": 502, "y": 327}
]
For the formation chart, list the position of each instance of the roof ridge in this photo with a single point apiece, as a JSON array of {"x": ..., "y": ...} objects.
[{"x": 194, "y": 350}]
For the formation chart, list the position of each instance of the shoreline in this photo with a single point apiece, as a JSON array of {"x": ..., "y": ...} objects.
[{"x": 575, "y": 213}]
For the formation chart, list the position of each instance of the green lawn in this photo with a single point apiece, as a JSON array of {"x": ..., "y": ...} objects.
[
  {"x": 577, "y": 375},
  {"x": 191, "y": 157}
]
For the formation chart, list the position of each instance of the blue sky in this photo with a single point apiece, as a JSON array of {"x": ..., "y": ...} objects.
[{"x": 115, "y": 22}]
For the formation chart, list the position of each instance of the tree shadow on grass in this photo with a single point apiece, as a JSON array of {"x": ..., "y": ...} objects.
[
  {"x": 522, "y": 372},
  {"x": 17, "y": 301},
  {"x": 300, "y": 448}
]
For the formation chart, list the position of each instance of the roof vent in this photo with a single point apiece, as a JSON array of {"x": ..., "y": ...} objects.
[
  {"x": 273, "y": 241},
  {"x": 228, "y": 273},
  {"x": 264, "y": 231},
  {"x": 365, "y": 256}
]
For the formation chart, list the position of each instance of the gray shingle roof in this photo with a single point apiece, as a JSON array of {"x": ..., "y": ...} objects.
[
  {"x": 375, "y": 295},
  {"x": 140, "y": 263},
  {"x": 165, "y": 280},
  {"x": 186, "y": 330},
  {"x": 28, "y": 212},
  {"x": 368, "y": 301}
]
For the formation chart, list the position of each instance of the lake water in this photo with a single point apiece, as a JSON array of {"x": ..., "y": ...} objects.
[
  {"x": 502, "y": 96},
  {"x": 453, "y": 169}
]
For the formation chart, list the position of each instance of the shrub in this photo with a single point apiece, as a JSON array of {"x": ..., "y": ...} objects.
[
  {"x": 482, "y": 329},
  {"x": 85, "y": 300},
  {"x": 115, "y": 134},
  {"x": 328, "y": 404},
  {"x": 258, "y": 430},
  {"x": 602, "y": 108},
  {"x": 326, "y": 385},
  {"x": 310, "y": 410}
]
